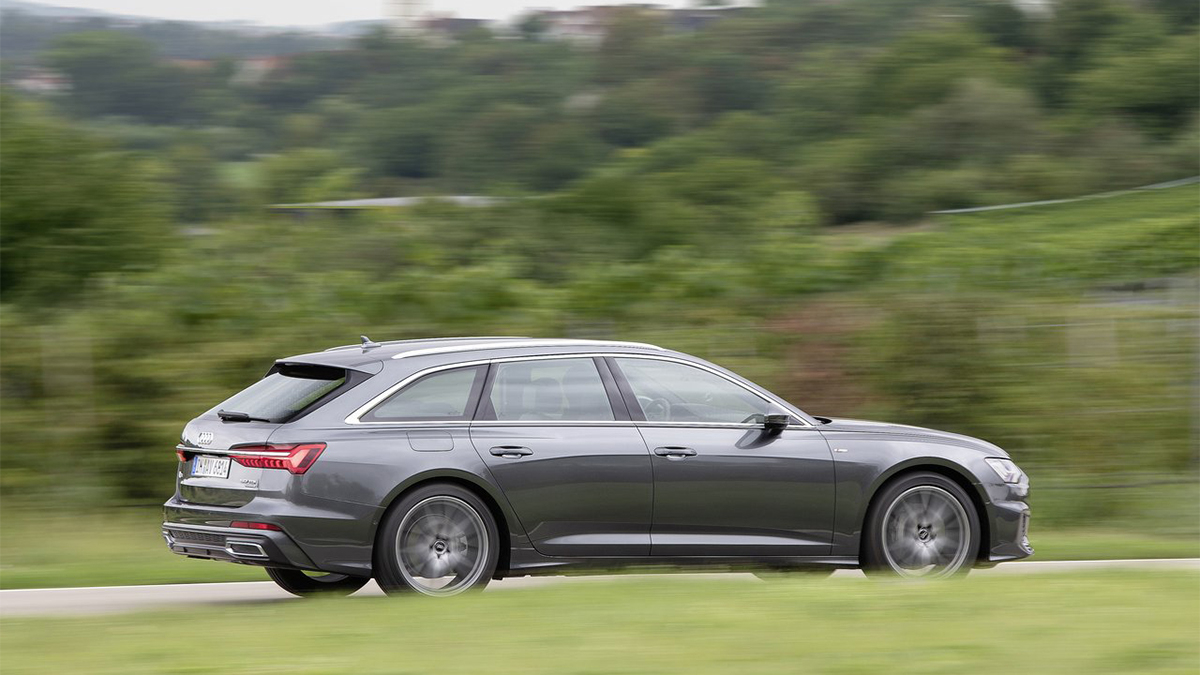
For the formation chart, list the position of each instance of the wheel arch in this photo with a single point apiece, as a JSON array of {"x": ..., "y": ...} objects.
[
  {"x": 478, "y": 486},
  {"x": 950, "y": 470}
]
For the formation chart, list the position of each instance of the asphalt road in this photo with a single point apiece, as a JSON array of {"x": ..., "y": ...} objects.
[{"x": 115, "y": 599}]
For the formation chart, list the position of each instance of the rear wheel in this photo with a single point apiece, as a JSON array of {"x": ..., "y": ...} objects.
[
  {"x": 439, "y": 540},
  {"x": 307, "y": 584},
  {"x": 921, "y": 525}
]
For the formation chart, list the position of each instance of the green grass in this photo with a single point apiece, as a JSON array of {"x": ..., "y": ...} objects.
[
  {"x": 123, "y": 546},
  {"x": 1110, "y": 545},
  {"x": 1107, "y": 622},
  {"x": 110, "y": 548}
]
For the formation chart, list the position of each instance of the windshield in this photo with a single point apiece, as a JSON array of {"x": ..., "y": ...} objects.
[{"x": 285, "y": 392}]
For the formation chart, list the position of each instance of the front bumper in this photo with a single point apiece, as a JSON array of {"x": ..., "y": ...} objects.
[{"x": 1008, "y": 520}]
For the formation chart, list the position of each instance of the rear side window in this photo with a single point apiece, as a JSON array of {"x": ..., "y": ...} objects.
[
  {"x": 445, "y": 395},
  {"x": 555, "y": 389},
  {"x": 286, "y": 391}
]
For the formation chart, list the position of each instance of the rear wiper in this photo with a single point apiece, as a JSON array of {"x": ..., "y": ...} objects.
[{"x": 236, "y": 416}]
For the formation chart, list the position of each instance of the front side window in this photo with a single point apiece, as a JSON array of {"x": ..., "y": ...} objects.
[
  {"x": 675, "y": 392},
  {"x": 444, "y": 395},
  {"x": 552, "y": 389}
]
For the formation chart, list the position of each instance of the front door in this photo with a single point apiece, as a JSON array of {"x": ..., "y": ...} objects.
[
  {"x": 558, "y": 440},
  {"x": 724, "y": 485}
]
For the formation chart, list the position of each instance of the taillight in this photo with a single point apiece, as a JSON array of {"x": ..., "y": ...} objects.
[
  {"x": 295, "y": 457},
  {"x": 183, "y": 456}
]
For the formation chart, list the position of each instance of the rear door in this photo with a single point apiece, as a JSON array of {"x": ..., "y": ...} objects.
[
  {"x": 723, "y": 485},
  {"x": 558, "y": 440}
]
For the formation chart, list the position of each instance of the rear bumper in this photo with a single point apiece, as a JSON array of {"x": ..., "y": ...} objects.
[
  {"x": 249, "y": 547},
  {"x": 324, "y": 540}
]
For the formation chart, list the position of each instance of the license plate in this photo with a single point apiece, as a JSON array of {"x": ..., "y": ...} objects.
[{"x": 213, "y": 467}]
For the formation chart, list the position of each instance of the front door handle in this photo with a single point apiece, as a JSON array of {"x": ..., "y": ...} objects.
[
  {"x": 510, "y": 451},
  {"x": 674, "y": 452}
]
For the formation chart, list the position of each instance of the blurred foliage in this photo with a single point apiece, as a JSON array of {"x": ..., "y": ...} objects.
[
  {"x": 882, "y": 110},
  {"x": 756, "y": 191},
  {"x": 72, "y": 206},
  {"x": 23, "y": 36}
]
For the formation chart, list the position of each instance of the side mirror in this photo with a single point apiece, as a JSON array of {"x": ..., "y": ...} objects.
[{"x": 776, "y": 423}]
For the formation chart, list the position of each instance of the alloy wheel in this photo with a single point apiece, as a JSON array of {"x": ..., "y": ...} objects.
[
  {"x": 442, "y": 546},
  {"x": 926, "y": 533}
]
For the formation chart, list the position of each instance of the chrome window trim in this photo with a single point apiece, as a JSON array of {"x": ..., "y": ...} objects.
[{"x": 355, "y": 418}]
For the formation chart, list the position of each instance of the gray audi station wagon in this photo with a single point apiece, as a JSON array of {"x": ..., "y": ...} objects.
[{"x": 437, "y": 465}]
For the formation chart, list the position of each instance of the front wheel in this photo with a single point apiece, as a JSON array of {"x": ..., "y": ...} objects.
[
  {"x": 922, "y": 525},
  {"x": 438, "y": 540},
  {"x": 308, "y": 584}
]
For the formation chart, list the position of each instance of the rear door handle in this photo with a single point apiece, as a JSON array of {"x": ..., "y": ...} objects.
[
  {"x": 674, "y": 452},
  {"x": 510, "y": 451}
]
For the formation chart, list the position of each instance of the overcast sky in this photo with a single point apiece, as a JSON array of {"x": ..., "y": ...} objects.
[{"x": 308, "y": 12}]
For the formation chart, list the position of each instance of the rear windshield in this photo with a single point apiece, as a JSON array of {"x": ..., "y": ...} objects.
[{"x": 286, "y": 391}]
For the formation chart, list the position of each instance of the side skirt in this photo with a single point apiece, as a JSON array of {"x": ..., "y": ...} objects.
[{"x": 548, "y": 566}]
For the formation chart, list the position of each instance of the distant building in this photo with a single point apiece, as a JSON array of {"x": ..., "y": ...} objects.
[
  {"x": 405, "y": 17},
  {"x": 449, "y": 28},
  {"x": 589, "y": 25},
  {"x": 42, "y": 82},
  {"x": 343, "y": 206},
  {"x": 586, "y": 25},
  {"x": 254, "y": 70},
  {"x": 692, "y": 19}
]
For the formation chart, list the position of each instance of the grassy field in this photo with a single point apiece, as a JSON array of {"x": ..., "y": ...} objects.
[
  {"x": 117, "y": 547},
  {"x": 123, "y": 547},
  {"x": 1108, "y": 622}
]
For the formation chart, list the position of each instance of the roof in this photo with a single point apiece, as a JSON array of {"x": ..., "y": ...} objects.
[
  {"x": 386, "y": 202},
  {"x": 361, "y": 357}
]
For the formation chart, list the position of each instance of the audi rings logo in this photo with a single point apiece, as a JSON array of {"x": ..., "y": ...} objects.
[{"x": 205, "y": 438}]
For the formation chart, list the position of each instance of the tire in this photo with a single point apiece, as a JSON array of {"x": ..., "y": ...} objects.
[
  {"x": 438, "y": 540},
  {"x": 908, "y": 519},
  {"x": 305, "y": 585}
]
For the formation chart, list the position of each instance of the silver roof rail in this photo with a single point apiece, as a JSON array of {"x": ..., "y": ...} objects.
[
  {"x": 437, "y": 339},
  {"x": 481, "y": 346}
]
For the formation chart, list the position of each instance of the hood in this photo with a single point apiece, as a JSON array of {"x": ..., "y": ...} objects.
[{"x": 867, "y": 426}]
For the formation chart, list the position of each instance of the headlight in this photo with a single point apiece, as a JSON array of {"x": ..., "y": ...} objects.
[{"x": 1006, "y": 469}]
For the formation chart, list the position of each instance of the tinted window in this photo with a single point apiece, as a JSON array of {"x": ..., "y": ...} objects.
[
  {"x": 445, "y": 395},
  {"x": 674, "y": 392},
  {"x": 285, "y": 392},
  {"x": 555, "y": 389}
]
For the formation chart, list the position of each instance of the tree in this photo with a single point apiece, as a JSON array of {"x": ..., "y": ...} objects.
[
  {"x": 117, "y": 74},
  {"x": 72, "y": 208},
  {"x": 1156, "y": 86}
]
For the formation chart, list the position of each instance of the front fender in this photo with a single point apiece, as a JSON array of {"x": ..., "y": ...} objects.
[{"x": 864, "y": 463}]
